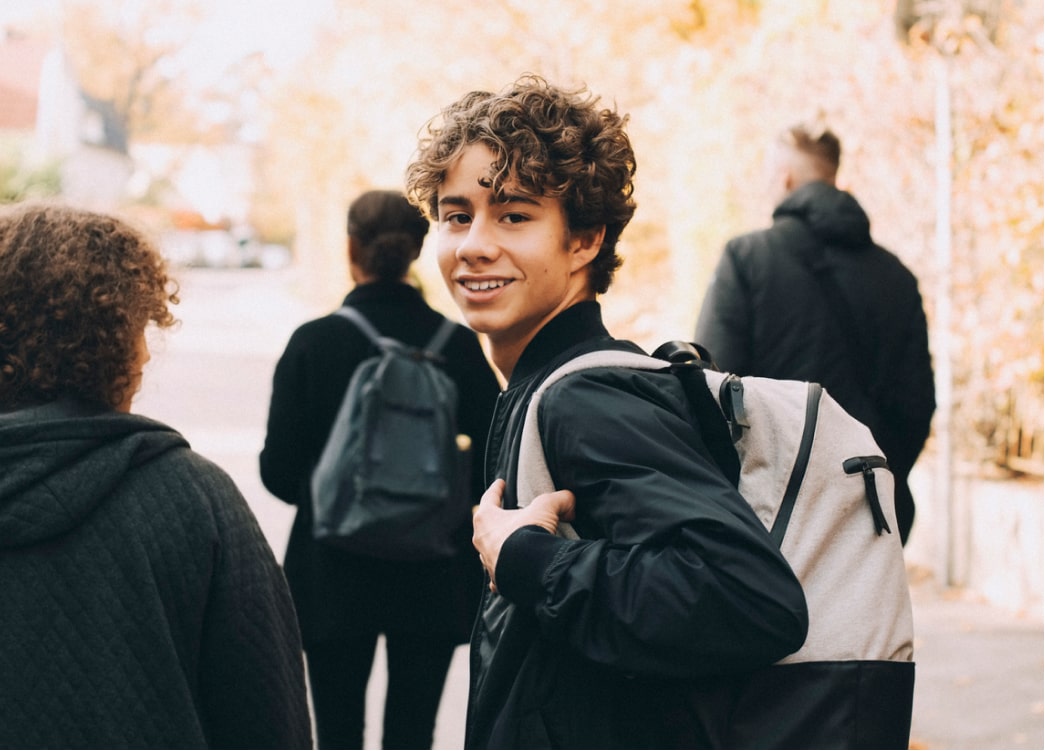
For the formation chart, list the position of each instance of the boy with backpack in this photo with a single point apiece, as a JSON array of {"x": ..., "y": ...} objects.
[{"x": 637, "y": 634}]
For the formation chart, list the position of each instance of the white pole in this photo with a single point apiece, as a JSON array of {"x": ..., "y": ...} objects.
[{"x": 943, "y": 365}]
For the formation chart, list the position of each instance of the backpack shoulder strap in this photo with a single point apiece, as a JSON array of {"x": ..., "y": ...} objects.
[
  {"x": 440, "y": 337},
  {"x": 362, "y": 323},
  {"x": 532, "y": 475},
  {"x": 714, "y": 428},
  {"x": 383, "y": 343}
]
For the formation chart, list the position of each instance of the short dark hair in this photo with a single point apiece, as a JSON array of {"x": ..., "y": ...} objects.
[
  {"x": 819, "y": 144},
  {"x": 389, "y": 231},
  {"x": 547, "y": 141},
  {"x": 78, "y": 290}
]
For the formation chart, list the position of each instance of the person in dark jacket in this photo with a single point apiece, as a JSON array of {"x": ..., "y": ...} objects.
[
  {"x": 345, "y": 601},
  {"x": 612, "y": 640},
  {"x": 813, "y": 298},
  {"x": 142, "y": 606}
]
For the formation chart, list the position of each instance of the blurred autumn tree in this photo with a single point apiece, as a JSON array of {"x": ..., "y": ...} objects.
[
  {"x": 707, "y": 84},
  {"x": 125, "y": 54},
  {"x": 835, "y": 61},
  {"x": 142, "y": 61},
  {"x": 993, "y": 285}
]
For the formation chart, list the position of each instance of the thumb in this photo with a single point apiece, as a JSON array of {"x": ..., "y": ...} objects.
[
  {"x": 494, "y": 494},
  {"x": 548, "y": 509},
  {"x": 562, "y": 503}
]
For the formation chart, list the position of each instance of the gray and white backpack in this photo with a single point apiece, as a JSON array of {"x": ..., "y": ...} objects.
[{"x": 818, "y": 481}]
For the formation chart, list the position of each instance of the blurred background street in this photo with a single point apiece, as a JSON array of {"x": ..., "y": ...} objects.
[
  {"x": 237, "y": 138},
  {"x": 980, "y": 667}
]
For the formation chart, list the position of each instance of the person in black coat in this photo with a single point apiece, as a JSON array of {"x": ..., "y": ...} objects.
[
  {"x": 345, "y": 601},
  {"x": 142, "y": 606},
  {"x": 813, "y": 298}
]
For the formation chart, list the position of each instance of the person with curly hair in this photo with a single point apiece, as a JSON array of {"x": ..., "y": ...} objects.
[
  {"x": 143, "y": 607},
  {"x": 617, "y": 639}
]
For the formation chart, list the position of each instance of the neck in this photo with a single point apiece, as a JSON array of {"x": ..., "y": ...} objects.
[{"x": 505, "y": 356}]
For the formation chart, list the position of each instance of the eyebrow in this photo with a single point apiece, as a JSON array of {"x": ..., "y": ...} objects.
[
  {"x": 462, "y": 202},
  {"x": 514, "y": 198}
]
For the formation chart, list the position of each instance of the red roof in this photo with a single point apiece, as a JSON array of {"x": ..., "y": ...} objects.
[{"x": 21, "y": 60}]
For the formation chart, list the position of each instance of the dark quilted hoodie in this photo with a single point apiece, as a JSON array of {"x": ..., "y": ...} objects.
[{"x": 140, "y": 605}]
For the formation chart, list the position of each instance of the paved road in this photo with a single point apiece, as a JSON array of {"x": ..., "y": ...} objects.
[{"x": 980, "y": 669}]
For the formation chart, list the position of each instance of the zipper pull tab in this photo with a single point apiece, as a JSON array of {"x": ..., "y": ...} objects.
[{"x": 866, "y": 466}]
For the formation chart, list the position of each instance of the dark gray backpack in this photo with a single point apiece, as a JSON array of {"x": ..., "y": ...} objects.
[{"x": 391, "y": 481}]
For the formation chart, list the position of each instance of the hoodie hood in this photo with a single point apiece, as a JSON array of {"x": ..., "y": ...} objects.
[
  {"x": 58, "y": 462},
  {"x": 834, "y": 216}
]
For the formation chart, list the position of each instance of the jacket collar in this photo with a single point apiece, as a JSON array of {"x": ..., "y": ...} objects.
[
  {"x": 577, "y": 324},
  {"x": 834, "y": 216},
  {"x": 63, "y": 408},
  {"x": 385, "y": 291}
]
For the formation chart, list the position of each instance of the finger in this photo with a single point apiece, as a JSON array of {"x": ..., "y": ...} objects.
[
  {"x": 494, "y": 494},
  {"x": 566, "y": 505},
  {"x": 559, "y": 502},
  {"x": 548, "y": 509}
]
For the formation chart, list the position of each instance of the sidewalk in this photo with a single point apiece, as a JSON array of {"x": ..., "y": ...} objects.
[{"x": 980, "y": 669}]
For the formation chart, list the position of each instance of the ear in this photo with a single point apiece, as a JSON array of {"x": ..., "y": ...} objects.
[
  {"x": 585, "y": 245},
  {"x": 353, "y": 267}
]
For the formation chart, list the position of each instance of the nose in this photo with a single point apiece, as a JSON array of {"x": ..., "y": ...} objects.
[{"x": 478, "y": 245}]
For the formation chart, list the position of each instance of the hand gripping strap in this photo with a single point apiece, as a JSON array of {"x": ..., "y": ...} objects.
[{"x": 532, "y": 475}]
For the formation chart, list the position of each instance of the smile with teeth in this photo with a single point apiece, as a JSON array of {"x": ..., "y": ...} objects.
[{"x": 478, "y": 286}]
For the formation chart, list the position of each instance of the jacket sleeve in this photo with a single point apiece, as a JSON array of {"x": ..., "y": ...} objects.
[
  {"x": 675, "y": 575},
  {"x": 724, "y": 325},
  {"x": 287, "y": 456},
  {"x": 307, "y": 389},
  {"x": 251, "y": 669}
]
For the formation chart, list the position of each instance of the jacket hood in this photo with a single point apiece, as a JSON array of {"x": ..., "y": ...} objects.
[
  {"x": 833, "y": 215},
  {"x": 61, "y": 460}
]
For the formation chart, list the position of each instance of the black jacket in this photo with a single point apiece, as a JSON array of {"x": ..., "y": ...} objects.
[
  {"x": 141, "y": 605},
  {"x": 766, "y": 315},
  {"x": 334, "y": 591},
  {"x": 604, "y": 642}
]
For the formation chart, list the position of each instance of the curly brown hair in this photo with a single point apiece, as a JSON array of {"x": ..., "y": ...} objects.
[
  {"x": 79, "y": 288},
  {"x": 547, "y": 141}
]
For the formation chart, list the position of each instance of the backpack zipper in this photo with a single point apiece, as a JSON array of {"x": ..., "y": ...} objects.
[{"x": 866, "y": 466}]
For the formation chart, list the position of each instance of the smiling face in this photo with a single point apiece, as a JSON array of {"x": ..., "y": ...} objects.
[{"x": 512, "y": 263}]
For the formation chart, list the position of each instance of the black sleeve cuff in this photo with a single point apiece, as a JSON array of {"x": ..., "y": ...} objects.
[{"x": 522, "y": 563}]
